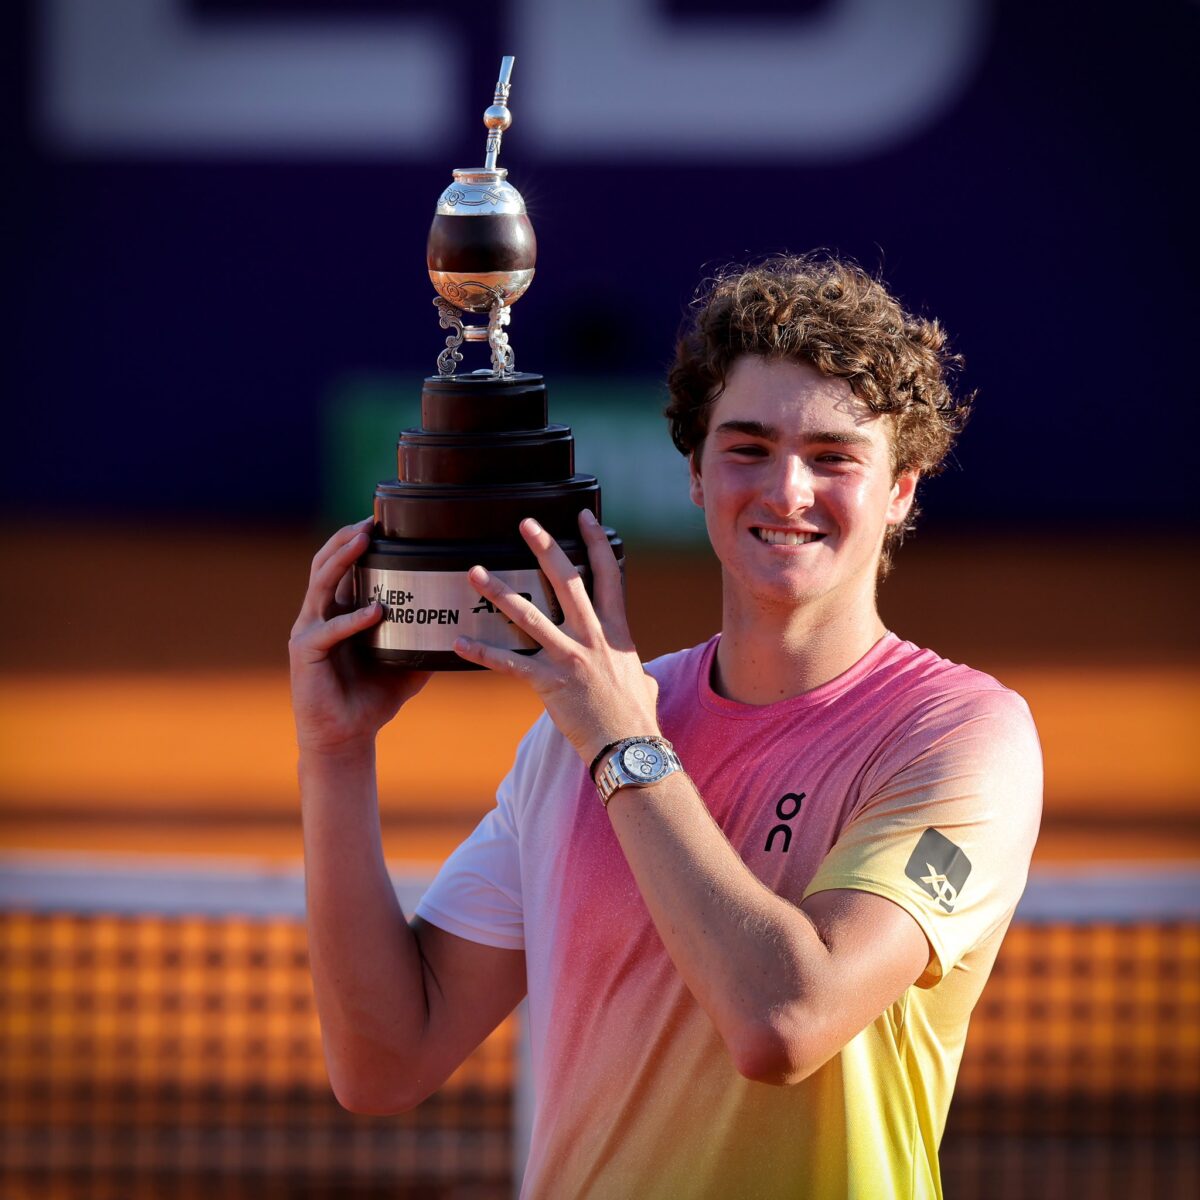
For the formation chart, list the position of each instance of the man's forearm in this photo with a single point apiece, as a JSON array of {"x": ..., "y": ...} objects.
[
  {"x": 365, "y": 960},
  {"x": 785, "y": 987},
  {"x": 747, "y": 955}
]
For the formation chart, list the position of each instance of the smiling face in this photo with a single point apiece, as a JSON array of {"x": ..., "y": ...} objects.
[{"x": 795, "y": 479}]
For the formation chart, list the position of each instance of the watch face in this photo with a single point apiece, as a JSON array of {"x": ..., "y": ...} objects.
[{"x": 643, "y": 762}]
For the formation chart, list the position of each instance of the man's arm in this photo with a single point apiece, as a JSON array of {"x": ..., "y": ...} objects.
[
  {"x": 400, "y": 1006},
  {"x": 785, "y": 986}
]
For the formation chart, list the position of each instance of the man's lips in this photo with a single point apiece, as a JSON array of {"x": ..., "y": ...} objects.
[{"x": 786, "y": 537}]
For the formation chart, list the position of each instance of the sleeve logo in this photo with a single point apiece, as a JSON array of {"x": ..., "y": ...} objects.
[{"x": 939, "y": 868}]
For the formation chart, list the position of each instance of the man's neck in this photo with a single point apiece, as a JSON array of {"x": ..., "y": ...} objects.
[{"x": 764, "y": 657}]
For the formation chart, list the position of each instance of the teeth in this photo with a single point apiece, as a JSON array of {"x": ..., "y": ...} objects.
[{"x": 775, "y": 537}]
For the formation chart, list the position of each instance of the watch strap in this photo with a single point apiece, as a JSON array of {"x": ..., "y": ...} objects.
[{"x": 603, "y": 753}]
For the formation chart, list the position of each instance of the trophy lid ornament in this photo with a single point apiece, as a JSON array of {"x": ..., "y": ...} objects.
[{"x": 481, "y": 251}]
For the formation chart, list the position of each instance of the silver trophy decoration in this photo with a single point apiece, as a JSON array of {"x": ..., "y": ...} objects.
[{"x": 483, "y": 264}]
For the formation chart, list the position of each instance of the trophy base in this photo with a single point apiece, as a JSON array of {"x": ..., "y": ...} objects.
[{"x": 484, "y": 458}]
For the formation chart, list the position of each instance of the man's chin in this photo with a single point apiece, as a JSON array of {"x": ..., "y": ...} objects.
[{"x": 805, "y": 589}]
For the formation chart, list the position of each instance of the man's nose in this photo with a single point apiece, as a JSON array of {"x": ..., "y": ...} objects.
[{"x": 791, "y": 487}]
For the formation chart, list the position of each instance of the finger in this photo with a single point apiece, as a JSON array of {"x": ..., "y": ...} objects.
[
  {"x": 325, "y": 578},
  {"x": 319, "y": 638},
  {"x": 343, "y": 594},
  {"x": 563, "y": 575},
  {"x": 527, "y": 617},
  {"x": 503, "y": 662},
  {"x": 338, "y": 542},
  {"x": 608, "y": 592}
]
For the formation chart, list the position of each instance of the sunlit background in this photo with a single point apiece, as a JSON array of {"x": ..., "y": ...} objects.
[{"x": 217, "y": 320}]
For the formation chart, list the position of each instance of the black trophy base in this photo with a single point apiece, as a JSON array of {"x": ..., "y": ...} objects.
[{"x": 484, "y": 459}]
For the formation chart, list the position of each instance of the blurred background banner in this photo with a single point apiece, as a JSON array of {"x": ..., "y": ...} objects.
[
  {"x": 218, "y": 320},
  {"x": 218, "y": 209}
]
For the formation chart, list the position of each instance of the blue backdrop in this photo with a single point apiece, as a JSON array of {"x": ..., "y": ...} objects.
[{"x": 216, "y": 211}]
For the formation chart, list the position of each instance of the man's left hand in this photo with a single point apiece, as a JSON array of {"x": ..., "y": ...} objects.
[{"x": 587, "y": 673}]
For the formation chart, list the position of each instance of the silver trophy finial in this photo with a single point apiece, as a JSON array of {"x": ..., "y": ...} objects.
[
  {"x": 497, "y": 117},
  {"x": 481, "y": 250}
]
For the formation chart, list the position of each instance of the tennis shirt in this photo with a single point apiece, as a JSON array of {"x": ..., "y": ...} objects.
[{"x": 908, "y": 776}]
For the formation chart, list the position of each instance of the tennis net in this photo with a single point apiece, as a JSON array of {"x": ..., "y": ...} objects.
[{"x": 159, "y": 1037}]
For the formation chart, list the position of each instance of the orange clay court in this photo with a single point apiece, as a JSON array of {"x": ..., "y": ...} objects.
[
  {"x": 203, "y": 762},
  {"x": 162, "y": 726}
]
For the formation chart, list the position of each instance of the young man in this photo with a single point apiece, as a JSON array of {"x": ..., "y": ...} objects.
[{"x": 750, "y": 967}]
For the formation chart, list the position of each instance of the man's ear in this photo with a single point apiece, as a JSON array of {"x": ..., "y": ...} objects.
[
  {"x": 904, "y": 491},
  {"x": 696, "y": 487}
]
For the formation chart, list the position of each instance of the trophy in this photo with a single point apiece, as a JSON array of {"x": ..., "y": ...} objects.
[{"x": 485, "y": 455}]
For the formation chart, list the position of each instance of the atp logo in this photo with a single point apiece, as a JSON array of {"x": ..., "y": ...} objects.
[{"x": 939, "y": 868}]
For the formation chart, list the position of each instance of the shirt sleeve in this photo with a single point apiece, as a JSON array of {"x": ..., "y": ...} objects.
[
  {"x": 948, "y": 826},
  {"x": 477, "y": 893}
]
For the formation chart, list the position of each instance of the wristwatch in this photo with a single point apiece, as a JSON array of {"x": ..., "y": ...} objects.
[{"x": 635, "y": 762}]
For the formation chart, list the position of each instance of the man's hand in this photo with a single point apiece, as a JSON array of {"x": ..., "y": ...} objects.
[
  {"x": 341, "y": 704},
  {"x": 588, "y": 673}
]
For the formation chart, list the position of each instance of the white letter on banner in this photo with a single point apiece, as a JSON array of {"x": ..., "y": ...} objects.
[
  {"x": 142, "y": 75},
  {"x": 612, "y": 78}
]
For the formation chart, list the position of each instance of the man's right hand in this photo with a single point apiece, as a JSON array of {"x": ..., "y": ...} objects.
[{"x": 341, "y": 701}]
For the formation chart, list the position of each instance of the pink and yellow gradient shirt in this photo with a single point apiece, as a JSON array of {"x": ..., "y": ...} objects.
[{"x": 908, "y": 776}]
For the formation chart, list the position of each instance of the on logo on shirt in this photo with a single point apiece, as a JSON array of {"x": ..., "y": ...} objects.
[{"x": 786, "y": 807}]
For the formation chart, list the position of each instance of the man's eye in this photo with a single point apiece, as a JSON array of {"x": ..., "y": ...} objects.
[{"x": 748, "y": 451}]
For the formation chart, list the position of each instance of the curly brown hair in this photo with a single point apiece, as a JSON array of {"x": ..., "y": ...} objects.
[{"x": 830, "y": 313}]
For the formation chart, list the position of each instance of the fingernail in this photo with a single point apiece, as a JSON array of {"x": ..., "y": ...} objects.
[
  {"x": 481, "y": 574},
  {"x": 532, "y": 525},
  {"x": 367, "y": 521},
  {"x": 461, "y": 644},
  {"x": 589, "y": 517}
]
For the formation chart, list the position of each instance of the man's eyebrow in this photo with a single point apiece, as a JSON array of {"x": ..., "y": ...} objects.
[
  {"x": 843, "y": 437},
  {"x": 750, "y": 428},
  {"x": 769, "y": 433}
]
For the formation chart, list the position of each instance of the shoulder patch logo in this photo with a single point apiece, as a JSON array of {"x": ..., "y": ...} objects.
[{"x": 939, "y": 868}]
